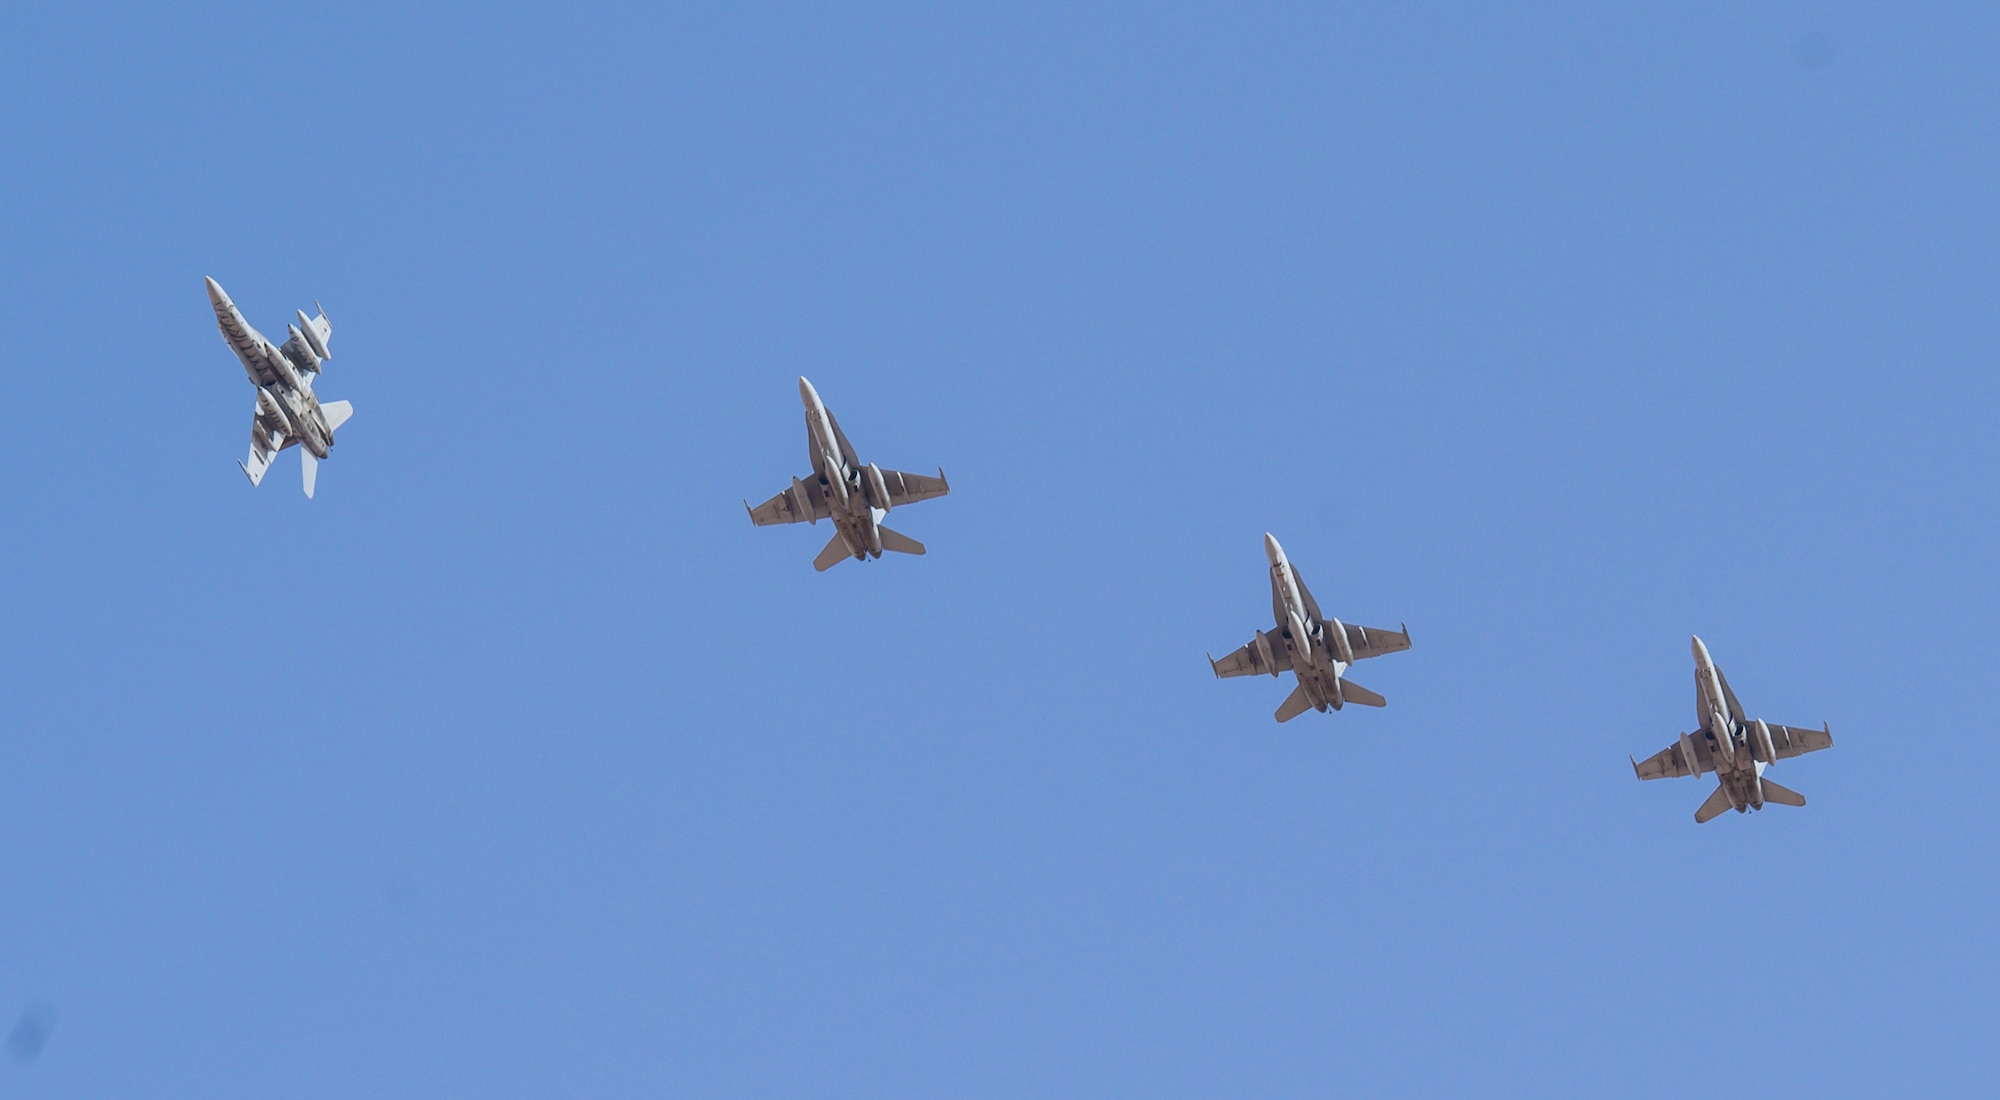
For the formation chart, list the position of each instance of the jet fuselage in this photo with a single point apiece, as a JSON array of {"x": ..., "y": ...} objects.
[
  {"x": 1740, "y": 750},
  {"x": 289, "y": 395},
  {"x": 1314, "y": 658},
  {"x": 857, "y": 498}
]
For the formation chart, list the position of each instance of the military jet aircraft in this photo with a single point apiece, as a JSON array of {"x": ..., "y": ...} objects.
[
  {"x": 853, "y": 496},
  {"x": 287, "y": 413},
  {"x": 1318, "y": 650},
  {"x": 1736, "y": 748}
]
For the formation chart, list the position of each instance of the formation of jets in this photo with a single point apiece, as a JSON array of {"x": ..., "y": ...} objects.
[{"x": 855, "y": 497}]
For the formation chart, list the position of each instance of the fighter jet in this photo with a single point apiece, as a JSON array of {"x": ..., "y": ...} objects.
[
  {"x": 287, "y": 413},
  {"x": 1318, "y": 650},
  {"x": 853, "y": 496},
  {"x": 1736, "y": 748}
]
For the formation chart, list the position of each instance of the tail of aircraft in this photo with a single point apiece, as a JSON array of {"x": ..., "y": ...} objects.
[
  {"x": 899, "y": 542},
  {"x": 836, "y": 552},
  {"x": 1773, "y": 793},
  {"x": 309, "y": 466},
  {"x": 1717, "y": 802},
  {"x": 1783, "y": 796},
  {"x": 1298, "y": 702},
  {"x": 336, "y": 413},
  {"x": 1295, "y": 704},
  {"x": 1354, "y": 693}
]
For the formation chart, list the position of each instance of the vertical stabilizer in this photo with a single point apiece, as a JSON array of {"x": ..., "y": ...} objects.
[
  {"x": 336, "y": 413},
  {"x": 309, "y": 466}
]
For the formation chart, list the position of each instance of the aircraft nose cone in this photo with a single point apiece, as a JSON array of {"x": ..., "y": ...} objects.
[
  {"x": 1272, "y": 550},
  {"x": 1700, "y": 650},
  {"x": 216, "y": 297},
  {"x": 806, "y": 392}
]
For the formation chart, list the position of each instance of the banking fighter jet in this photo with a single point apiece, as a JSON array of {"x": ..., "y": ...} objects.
[
  {"x": 1735, "y": 747},
  {"x": 853, "y": 496},
  {"x": 288, "y": 413},
  {"x": 1314, "y": 648}
]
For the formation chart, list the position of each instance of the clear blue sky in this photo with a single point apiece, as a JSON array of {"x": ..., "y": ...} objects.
[{"x": 520, "y": 764}]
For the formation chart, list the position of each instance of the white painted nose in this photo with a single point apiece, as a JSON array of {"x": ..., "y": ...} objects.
[{"x": 1272, "y": 550}]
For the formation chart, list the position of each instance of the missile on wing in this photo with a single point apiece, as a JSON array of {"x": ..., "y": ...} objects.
[
  {"x": 801, "y": 501},
  {"x": 298, "y": 340},
  {"x": 878, "y": 488},
  {"x": 1262, "y": 642},
  {"x": 309, "y": 334},
  {"x": 1764, "y": 751},
  {"x": 1687, "y": 754},
  {"x": 1340, "y": 647}
]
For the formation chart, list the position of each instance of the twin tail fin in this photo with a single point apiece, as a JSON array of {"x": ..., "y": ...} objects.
[{"x": 1298, "y": 702}]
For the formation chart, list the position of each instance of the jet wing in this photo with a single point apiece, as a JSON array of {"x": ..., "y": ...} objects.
[
  {"x": 1669, "y": 764},
  {"x": 267, "y": 438},
  {"x": 802, "y": 503},
  {"x": 1792, "y": 741},
  {"x": 1247, "y": 661},
  {"x": 1367, "y": 641},
  {"x": 911, "y": 488}
]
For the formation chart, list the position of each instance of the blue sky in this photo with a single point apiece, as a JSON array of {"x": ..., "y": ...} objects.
[{"x": 520, "y": 764}]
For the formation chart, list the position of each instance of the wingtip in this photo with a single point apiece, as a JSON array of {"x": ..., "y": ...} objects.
[
  {"x": 1211, "y": 665},
  {"x": 1635, "y": 765}
]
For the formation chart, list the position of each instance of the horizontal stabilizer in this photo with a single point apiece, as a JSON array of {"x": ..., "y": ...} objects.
[
  {"x": 1295, "y": 704},
  {"x": 836, "y": 552},
  {"x": 1783, "y": 796},
  {"x": 899, "y": 542},
  {"x": 1717, "y": 802},
  {"x": 336, "y": 413},
  {"x": 1354, "y": 693}
]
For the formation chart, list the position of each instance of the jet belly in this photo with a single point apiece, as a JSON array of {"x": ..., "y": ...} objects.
[
  {"x": 271, "y": 406},
  {"x": 316, "y": 438},
  {"x": 852, "y": 516},
  {"x": 1314, "y": 666},
  {"x": 303, "y": 420}
]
